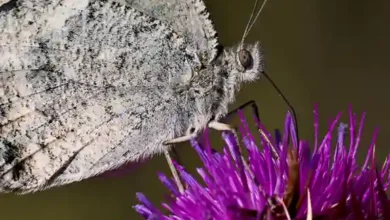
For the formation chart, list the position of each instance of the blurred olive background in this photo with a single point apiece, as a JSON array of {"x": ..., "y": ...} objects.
[{"x": 329, "y": 52}]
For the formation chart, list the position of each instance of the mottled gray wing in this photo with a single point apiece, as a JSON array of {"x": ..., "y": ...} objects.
[
  {"x": 189, "y": 18},
  {"x": 84, "y": 87}
]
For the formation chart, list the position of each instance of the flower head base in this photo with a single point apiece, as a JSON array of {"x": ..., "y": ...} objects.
[{"x": 282, "y": 180}]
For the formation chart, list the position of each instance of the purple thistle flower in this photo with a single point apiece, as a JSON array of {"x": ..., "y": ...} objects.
[{"x": 281, "y": 180}]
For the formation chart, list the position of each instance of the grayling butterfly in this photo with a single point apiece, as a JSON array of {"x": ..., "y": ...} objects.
[{"x": 88, "y": 85}]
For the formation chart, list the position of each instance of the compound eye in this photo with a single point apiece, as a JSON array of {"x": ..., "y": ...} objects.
[{"x": 245, "y": 58}]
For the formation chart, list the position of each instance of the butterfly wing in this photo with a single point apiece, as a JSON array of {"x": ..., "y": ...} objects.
[
  {"x": 189, "y": 18},
  {"x": 84, "y": 87}
]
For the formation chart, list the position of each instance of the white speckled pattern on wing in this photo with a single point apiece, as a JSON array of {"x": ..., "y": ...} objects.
[{"x": 78, "y": 75}]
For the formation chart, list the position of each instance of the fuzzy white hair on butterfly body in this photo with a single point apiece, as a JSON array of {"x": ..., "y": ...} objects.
[{"x": 86, "y": 86}]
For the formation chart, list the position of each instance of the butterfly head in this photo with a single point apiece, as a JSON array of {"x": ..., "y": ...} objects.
[{"x": 241, "y": 64}]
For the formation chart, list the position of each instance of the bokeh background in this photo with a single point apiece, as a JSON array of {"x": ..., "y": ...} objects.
[{"x": 329, "y": 52}]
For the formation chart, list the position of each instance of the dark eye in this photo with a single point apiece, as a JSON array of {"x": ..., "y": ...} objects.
[
  {"x": 245, "y": 58},
  {"x": 192, "y": 130}
]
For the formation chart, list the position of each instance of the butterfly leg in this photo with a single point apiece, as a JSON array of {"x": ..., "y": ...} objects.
[
  {"x": 168, "y": 157},
  {"x": 219, "y": 126},
  {"x": 250, "y": 103},
  {"x": 213, "y": 124},
  {"x": 175, "y": 175},
  {"x": 180, "y": 139}
]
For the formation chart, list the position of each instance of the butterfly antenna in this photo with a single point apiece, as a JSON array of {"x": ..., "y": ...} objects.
[
  {"x": 249, "y": 22},
  {"x": 252, "y": 20},
  {"x": 285, "y": 101}
]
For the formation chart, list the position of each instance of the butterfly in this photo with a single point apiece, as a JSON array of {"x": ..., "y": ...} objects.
[{"x": 89, "y": 85}]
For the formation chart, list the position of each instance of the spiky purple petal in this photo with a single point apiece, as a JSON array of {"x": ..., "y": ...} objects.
[{"x": 236, "y": 189}]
